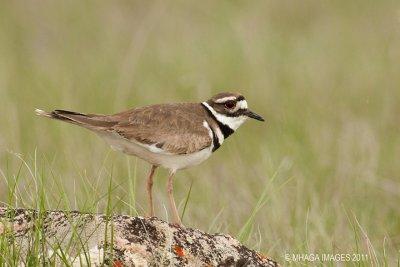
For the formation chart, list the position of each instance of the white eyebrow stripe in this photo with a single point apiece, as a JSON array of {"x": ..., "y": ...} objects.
[{"x": 224, "y": 99}]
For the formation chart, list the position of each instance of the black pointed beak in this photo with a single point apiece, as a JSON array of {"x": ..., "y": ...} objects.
[{"x": 253, "y": 115}]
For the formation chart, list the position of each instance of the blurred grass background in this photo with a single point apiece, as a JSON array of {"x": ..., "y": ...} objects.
[{"x": 324, "y": 74}]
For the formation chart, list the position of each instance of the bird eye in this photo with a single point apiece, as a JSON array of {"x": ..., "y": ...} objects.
[{"x": 230, "y": 104}]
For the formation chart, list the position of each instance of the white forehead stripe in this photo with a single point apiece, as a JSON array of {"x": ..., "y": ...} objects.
[
  {"x": 224, "y": 99},
  {"x": 232, "y": 122},
  {"x": 242, "y": 104}
]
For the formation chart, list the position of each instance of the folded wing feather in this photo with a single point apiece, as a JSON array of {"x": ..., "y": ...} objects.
[{"x": 173, "y": 128}]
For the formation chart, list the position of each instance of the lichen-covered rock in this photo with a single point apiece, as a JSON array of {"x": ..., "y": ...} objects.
[{"x": 84, "y": 239}]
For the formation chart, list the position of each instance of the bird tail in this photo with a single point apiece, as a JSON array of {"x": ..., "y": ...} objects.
[{"x": 90, "y": 121}]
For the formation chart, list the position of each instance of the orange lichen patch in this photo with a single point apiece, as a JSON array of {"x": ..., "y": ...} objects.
[
  {"x": 261, "y": 256},
  {"x": 117, "y": 263},
  {"x": 179, "y": 251}
]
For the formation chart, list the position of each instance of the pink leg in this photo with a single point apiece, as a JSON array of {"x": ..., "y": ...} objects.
[
  {"x": 149, "y": 189},
  {"x": 174, "y": 210}
]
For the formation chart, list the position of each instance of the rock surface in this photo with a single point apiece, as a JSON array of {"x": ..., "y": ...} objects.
[{"x": 83, "y": 239}]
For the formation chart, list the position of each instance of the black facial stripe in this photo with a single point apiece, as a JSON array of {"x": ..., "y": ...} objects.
[
  {"x": 240, "y": 98},
  {"x": 225, "y": 129},
  {"x": 237, "y": 113}
]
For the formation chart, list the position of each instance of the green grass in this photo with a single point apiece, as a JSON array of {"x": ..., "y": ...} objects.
[{"x": 325, "y": 75}]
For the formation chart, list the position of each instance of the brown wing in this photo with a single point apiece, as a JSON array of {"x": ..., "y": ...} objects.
[{"x": 174, "y": 128}]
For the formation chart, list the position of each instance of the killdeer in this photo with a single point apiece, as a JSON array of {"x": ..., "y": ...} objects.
[{"x": 173, "y": 136}]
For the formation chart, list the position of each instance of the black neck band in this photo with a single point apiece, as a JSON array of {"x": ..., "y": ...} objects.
[
  {"x": 216, "y": 143},
  {"x": 225, "y": 129}
]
